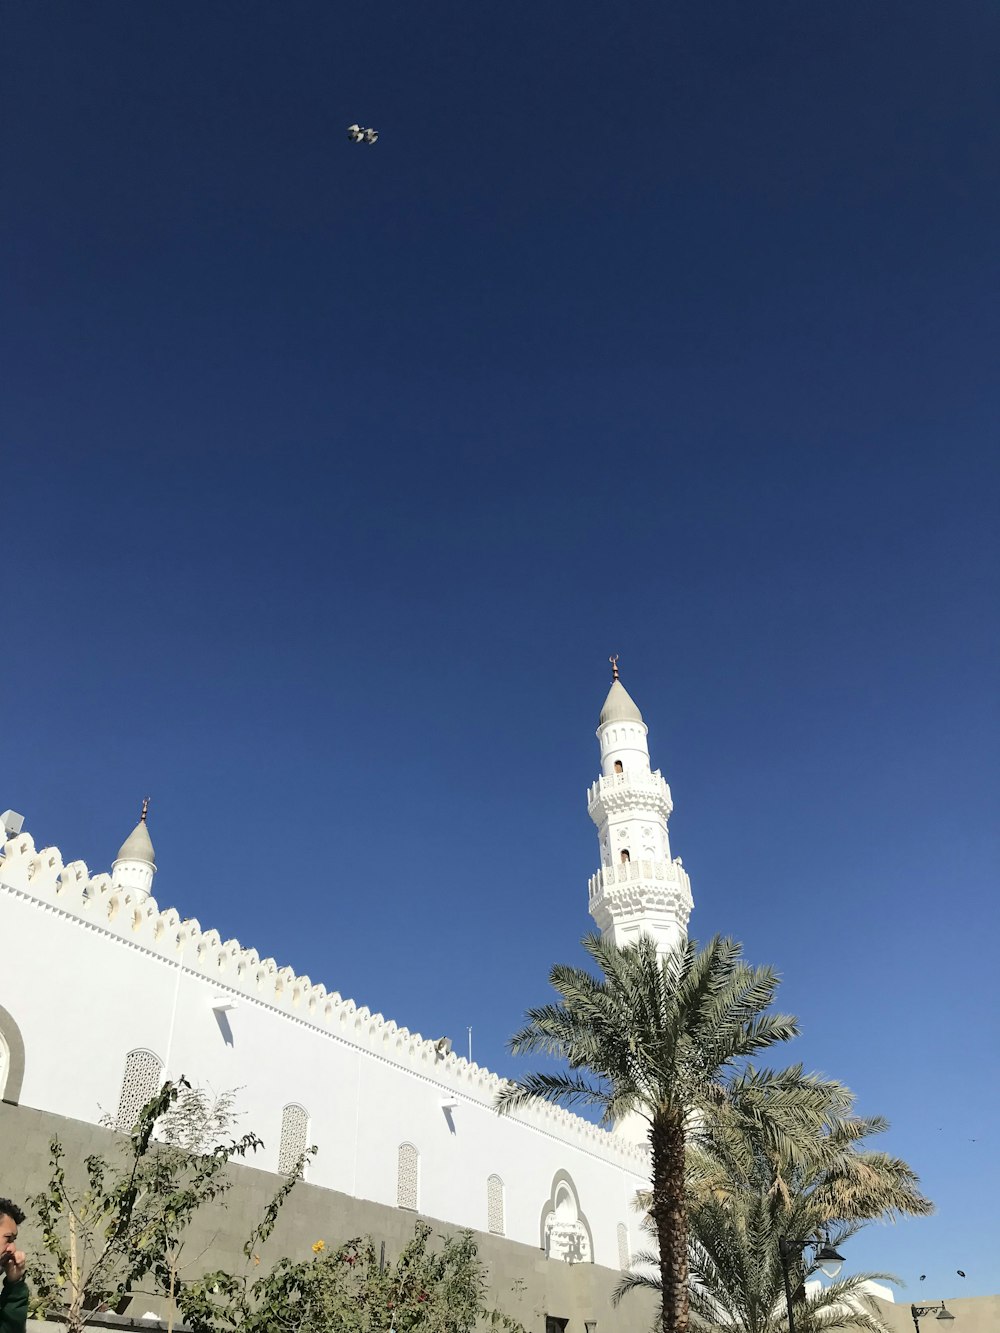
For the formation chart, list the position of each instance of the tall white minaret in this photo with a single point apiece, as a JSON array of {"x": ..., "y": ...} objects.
[
  {"x": 135, "y": 865},
  {"x": 638, "y": 888}
]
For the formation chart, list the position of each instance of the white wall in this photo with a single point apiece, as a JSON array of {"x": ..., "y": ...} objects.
[{"x": 91, "y": 973}]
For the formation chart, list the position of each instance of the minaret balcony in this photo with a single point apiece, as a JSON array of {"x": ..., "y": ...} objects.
[
  {"x": 635, "y": 888},
  {"x": 628, "y": 793}
]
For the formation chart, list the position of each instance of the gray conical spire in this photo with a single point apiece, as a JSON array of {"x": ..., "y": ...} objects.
[
  {"x": 138, "y": 846},
  {"x": 619, "y": 706},
  {"x": 135, "y": 864}
]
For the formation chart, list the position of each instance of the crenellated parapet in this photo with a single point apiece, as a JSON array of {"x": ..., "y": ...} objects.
[
  {"x": 623, "y": 793},
  {"x": 623, "y": 894},
  {"x": 134, "y": 920}
]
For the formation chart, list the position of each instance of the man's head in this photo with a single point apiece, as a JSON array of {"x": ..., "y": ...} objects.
[{"x": 11, "y": 1218}]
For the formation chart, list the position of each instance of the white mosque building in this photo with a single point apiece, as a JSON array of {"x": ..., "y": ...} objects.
[{"x": 399, "y": 1120}]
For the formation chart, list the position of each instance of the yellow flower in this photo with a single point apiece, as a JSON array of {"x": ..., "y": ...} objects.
[
  {"x": 319, "y": 1247},
  {"x": 256, "y": 1261}
]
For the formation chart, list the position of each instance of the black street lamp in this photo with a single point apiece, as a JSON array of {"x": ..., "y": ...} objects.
[
  {"x": 826, "y": 1256},
  {"x": 942, "y": 1313}
]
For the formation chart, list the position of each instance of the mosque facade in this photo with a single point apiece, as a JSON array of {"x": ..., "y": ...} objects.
[{"x": 399, "y": 1120}]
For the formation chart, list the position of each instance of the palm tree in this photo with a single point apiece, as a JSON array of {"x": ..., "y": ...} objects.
[
  {"x": 737, "y": 1276},
  {"x": 668, "y": 1038},
  {"x": 745, "y": 1192},
  {"x": 842, "y": 1181}
]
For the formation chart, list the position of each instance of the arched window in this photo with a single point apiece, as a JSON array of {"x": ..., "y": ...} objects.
[
  {"x": 494, "y": 1205},
  {"x": 11, "y": 1058},
  {"x": 294, "y": 1130},
  {"x": 140, "y": 1084},
  {"x": 408, "y": 1177},
  {"x": 4, "y": 1064},
  {"x": 624, "y": 1255}
]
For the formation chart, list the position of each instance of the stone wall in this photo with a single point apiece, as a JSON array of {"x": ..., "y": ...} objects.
[
  {"x": 973, "y": 1314},
  {"x": 523, "y": 1282}
]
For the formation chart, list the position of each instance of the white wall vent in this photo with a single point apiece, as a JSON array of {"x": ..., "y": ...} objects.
[
  {"x": 294, "y": 1131},
  {"x": 141, "y": 1082},
  {"x": 408, "y": 1177}
]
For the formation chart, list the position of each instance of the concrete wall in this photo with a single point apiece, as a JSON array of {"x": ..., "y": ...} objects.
[
  {"x": 973, "y": 1314},
  {"x": 523, "y": 1282},
  {"x": 976, "y": 1314}
]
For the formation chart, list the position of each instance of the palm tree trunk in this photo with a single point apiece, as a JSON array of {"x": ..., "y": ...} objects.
[{"x": 666, "y": 1138}]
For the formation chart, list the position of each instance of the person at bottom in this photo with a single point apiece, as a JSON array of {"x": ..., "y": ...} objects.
[{"x": 14, "y": 1292}]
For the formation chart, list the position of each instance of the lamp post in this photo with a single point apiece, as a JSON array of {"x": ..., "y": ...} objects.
[
  {"x": 940, "y": 1311},
  {"x": 826, "y": 1256}
]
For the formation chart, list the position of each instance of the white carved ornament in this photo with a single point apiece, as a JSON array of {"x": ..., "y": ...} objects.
[
  {"x": 566, "y": 1237},
  {"x": 567, "y": 1241}
]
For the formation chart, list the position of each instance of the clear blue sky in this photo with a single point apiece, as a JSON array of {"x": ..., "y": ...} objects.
[{"x": 332, "y": 475}]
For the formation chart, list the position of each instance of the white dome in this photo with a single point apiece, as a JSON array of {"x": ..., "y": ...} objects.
[
  {"x": 137, "y": 846},
  {"x": 619, "y": 706}
]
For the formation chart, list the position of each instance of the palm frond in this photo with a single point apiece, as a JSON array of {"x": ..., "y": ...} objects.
[
  {"x": 565, "y": 1089},
  {"x": 643, "y": 1274},
  {"x": 845, "y": 1304}
]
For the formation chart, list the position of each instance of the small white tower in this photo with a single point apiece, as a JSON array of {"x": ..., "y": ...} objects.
[
  {"x": 135, "y": 865},
  {"x": 638, "y": 888}
]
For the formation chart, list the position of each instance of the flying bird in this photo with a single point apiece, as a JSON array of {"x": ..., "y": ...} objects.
[
  {"x": 959, "y": 1272},
  {"x": 922, "y": 1276},
  {"x": 358, "y": 134}
]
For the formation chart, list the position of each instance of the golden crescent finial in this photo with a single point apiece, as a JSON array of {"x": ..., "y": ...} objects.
[
  {"x": 614, "y": 667},
  {"x": 145, "y": 810}
]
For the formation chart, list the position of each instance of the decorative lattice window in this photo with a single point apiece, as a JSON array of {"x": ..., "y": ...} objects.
[
  {"x": 494, "y": 1205},
  {"x": 624, "y": 1254},
  {"x": 407, "y": 1179},
  {"x": 141, "y": 1083},
  {"x": 294, "y": 1130}
]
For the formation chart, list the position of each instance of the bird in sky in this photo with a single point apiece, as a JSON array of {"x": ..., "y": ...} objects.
[
  {"x": 358, "y": 134},
  {"x": 959, "y": 1272},
  {"x": 922, "y": 1276}
]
